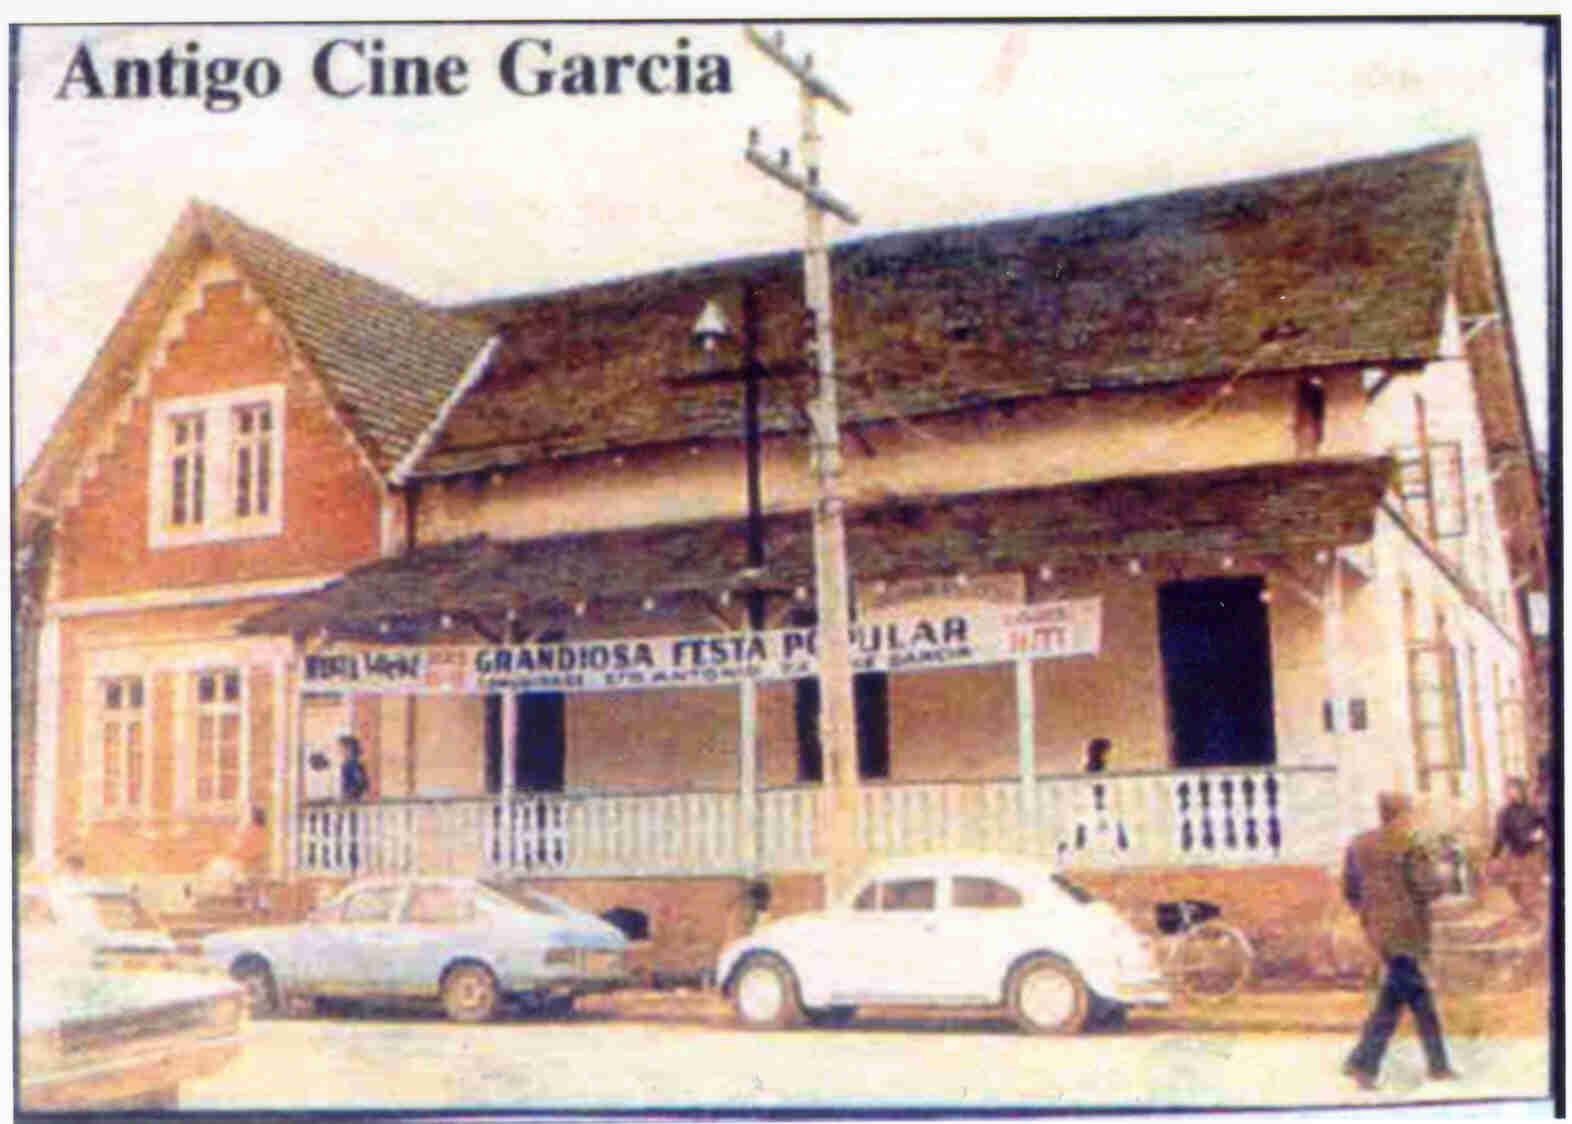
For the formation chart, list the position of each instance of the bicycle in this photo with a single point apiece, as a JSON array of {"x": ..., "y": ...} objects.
[
  {"x": 1202, "y": 957},
  {"x": 1340, "y": 950}
]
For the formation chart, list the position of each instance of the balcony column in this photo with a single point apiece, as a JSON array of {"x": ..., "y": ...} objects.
[
  {"x": 1026, "y": 745},
  {"x": 1349, "y": 815},
  {"x": 510, "y": 749},
  {"x": 748, "y": 778}
]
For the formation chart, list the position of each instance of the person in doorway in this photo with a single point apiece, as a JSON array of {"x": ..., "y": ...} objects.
[
  {"x": 1390, "y": 878},
  {"x": 353, "y": 781},
  {"x": 1517, "y": 858},
  {"x": 353, "y": 785},
  {"x": 1097, "y": 751}
]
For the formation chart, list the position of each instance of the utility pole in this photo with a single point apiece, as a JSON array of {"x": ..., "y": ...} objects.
[{"x": 837, "y": 713}]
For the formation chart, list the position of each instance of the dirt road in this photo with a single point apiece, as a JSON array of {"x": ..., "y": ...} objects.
[{"x": 685, "y": 1052}]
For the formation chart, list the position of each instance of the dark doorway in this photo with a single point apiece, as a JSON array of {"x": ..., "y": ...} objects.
[
  {"x": 540, "y": 742},
  {"x": 871, "y": 697},
  {"x": 1217, "y": 668}
]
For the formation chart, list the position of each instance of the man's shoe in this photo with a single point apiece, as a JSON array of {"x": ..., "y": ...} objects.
[
  {"x": 1445, "y": 1073},
  {"x": 1362, "y": 1077}
]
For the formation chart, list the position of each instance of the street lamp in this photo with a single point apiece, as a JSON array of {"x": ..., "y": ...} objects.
[
  {"x": 710, "y": 330},
  {"x": 711, "y": 334}
]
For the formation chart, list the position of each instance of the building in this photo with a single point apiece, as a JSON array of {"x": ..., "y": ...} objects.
[{"x": 1237, "y": 478}]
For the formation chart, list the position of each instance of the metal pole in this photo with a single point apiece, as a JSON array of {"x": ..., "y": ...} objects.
[
  {"x": 748, "y": 696},
  {"x": 753, "y": 449}
]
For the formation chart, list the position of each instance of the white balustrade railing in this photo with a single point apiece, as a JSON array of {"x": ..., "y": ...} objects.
[
  {"x": 789, "y": 820},
  {"x": 537, "y": 834},
  {"x": 943, "y": 816},
  {"x": 1192, "y": 817},
  {"x": 1196, "y": 817}
]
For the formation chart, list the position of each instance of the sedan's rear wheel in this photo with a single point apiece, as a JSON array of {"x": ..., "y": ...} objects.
[
  {"x": 1047, "y": 996},
  {"x": 470, "y": 993},
  {"x": 765, "y": 992},
  {"x": 256, "y": 977}
]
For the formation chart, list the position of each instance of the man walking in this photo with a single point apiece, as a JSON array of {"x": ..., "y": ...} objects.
[{"x": 1390, "y": 879}]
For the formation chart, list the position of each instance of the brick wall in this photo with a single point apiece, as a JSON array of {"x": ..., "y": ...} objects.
[
  {"x": 166, "y": 838},
  {"x": 330, "y": 497}
]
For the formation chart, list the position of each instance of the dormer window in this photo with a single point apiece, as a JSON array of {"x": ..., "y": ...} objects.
[{"x": 215, "y": 467}]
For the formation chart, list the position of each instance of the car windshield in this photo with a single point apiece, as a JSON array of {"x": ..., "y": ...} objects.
[
  {"x": 1076, "y": 892},
  {"x": 533, "y": 901}
]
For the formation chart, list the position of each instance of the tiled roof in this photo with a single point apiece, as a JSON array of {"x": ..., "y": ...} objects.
[
  {"x": 1260, "y": 509},
  {"x": 1347, "y": 264},
  {"x": 388, "y": 360}
]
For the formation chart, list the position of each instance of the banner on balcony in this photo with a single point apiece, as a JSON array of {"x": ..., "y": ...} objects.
[{"x": 1046, "y": 630}]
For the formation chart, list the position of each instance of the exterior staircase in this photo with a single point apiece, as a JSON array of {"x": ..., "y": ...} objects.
[{"x": 1483, "y": 942}]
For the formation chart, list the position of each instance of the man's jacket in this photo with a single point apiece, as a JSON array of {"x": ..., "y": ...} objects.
[{"x": 1390, "y": 878}]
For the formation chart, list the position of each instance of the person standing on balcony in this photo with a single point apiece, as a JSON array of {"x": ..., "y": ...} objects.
[
  {"x": 352, "y": 778},
  {"x": 1518, "y": 854},
  {"x": 1389, "y": 878},
  {"x": 1099, "y": 828},
  {"x": 353, "y": 784}
]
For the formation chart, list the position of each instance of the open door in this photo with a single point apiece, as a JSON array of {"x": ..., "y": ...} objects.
[{"x": 1217, "y": 668}]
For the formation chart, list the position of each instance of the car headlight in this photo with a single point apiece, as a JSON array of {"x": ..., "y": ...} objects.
[
  {"x": 41, "y": 1050},
  {"x": 229, "y": 1012}
]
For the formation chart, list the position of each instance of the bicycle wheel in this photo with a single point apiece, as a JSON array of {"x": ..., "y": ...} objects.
[{"x": 1212, "y": 961}]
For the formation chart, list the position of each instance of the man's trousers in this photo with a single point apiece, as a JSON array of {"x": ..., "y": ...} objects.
[{"x": 1403, "y": 986}]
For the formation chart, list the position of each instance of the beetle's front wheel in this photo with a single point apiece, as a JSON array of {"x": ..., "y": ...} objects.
[{"x": 765, "y": 992}]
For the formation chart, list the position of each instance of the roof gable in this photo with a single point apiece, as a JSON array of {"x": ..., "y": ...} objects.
[
  {"x": 1344, "y": 264},
  {"x": 388, "y": 362}
]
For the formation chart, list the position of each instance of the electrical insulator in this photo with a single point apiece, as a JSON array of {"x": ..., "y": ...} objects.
[{"x": 810, "y": 332}]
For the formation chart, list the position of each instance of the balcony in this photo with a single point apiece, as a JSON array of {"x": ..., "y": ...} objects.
[{"x": 1192, "y": 817}]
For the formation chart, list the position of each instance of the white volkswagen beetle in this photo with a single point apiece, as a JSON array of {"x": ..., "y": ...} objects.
[{"x": 947, "y": 931}]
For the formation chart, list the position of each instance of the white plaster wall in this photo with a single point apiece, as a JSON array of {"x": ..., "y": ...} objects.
[
  {"x": 1066, "y": 439},
  {"x": 450, "y": 745}
]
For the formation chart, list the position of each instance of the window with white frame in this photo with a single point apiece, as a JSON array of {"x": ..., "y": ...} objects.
[
  {"x": 216, "y": 461},
  {"x": 187, "y": 470},
  {"x": 121, "y": 744},
  {"x": 218, "y": 710},
  {"x": 252, "y": 455}
]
